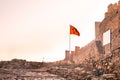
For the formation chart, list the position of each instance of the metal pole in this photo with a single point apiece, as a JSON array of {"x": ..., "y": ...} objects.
[{"x": 69, "y": 43}]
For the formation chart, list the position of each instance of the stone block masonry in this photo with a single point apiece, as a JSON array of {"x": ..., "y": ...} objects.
[{"x": 96, "y": 48}]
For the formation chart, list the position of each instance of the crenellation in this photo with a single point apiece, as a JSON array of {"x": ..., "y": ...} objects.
[
  {"x": 67, "y": 55},
  {"x": 71, "y": 55},
  {"x": 77, "y": 50},
  {"x": 111, "y": 9},
  {"x": 96, "y": 48}
]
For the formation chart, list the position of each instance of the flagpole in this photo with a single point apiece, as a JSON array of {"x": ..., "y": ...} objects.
[{"x": 69, "y": 43}]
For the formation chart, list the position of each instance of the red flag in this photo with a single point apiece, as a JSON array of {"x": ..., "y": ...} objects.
[{"x": 74, "y": 31}]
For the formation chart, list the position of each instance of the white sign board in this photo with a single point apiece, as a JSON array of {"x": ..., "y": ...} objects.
[{"x": 106, "y": 37}]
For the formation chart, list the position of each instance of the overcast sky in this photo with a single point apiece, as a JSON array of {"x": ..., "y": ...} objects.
[{"x": 33, "y": 29}]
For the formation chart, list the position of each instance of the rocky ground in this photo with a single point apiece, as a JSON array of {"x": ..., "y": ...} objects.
[
  {"x": 27, "y": 74},
  {"x": 106, "y": 68},
  {"x": 18, "y": 69}
]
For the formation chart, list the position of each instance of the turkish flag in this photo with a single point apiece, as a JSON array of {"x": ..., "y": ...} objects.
[{"x": 74, "y": 31}]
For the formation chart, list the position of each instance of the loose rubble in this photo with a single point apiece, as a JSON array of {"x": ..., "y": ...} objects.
[
  {"x": 106, "y": 68},
  {"x": 18, "y": 69},
  {"x": 26, "y": 74}
]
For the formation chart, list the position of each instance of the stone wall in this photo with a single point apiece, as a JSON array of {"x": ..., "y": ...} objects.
[
  {"x": 67, "y": 55},
  {"x": 111, "y": 9},
  {"x": 96, "y": 48},
  {"x": 97, "y": 30},
  {"x": 107, "y": 49},
  {"x": 110, "y": 22},
  {"x": 92, "y": 50},
  {"x": 115, "y": 39}
]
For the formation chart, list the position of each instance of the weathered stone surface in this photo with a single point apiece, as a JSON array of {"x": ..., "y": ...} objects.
[
  {"x": 108, "y": 76},
  {"x": 21, "y": 64},
  {"x": 96, "y": 48},
  {"x": 92, "y": 62},
  {"x": 116, "y": 39},
  {"x": 24, "y": 74}
]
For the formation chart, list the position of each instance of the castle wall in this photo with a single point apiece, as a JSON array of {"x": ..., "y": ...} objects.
[
  {"x": 90, "y": 50},
  {"x": 107, "y": 49},
  {"x": 96, "y": 48},
  {"x": 67, "y": 55},
  {"x": 110, "y": 22},
  {"x": 115, "y": 39},
  {"x": 97, "y": 30}
]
